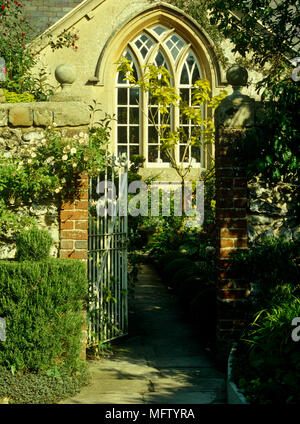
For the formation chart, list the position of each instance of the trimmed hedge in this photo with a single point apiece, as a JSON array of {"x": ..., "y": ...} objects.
[
  {"x": 168, "y": 257},
  {"x": 42, "y": 303},
  {"x": 183, "y": 274},
  {"x": 172, "y": 267},
  {"x": 32, "y": 388},
  {"x": 33, "y": 245}
]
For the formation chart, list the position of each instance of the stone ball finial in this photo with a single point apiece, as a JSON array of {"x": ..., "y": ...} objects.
[
  {"x": 237, "y": 76},
  {"x": 65, "y": 74}
]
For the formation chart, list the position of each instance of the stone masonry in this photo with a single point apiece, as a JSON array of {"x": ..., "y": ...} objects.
[
  {"x": 44, "y": 13},
  {"x": 67, "y": 223},
  {"x": 234, "y": 115}
]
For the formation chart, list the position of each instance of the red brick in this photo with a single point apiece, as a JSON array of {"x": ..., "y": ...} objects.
[
  {"x": 224, "y": 172},
  {"x": 239, "y": 193},
  {"x": 241, "y": 242},
  {"x": 67, "y": 225},
  {"x": 67, "y": 244},
  {"x": 225, "y": 232},
  {"x": 81, "y": 244},
  {"x": 231, "y": 223},
  {"x": 72, "y": 215},
  {"x": 240, "y": 203},
  {"x": 83, "y": 194},
  {"x": 224, "y": 161},
  {"x": 81, "y": 204},
  {"x": 230, "y": 213},
  {"x": 226, "y": 252},
  {"x": 84, "y": 183},
  {"x": 225, "y": 182},
  {"x": 222, "y": 193},
  {"x": 73, "y": 254},
  {"x": 224, "y": 203},
  {"x": 67, "y": 206},
  {"x": 84, "y": 175},
  {"x": 81, "y": 225},
  {"x": 233, "y": 294},
  {"x": 74, "y": 235},
  {"x": 240, "y": 182},
  {"x": 222, "y": 263},
  {"x": 226, "y": 243}
]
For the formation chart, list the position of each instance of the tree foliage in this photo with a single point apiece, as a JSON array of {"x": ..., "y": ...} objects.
[
  {"x": 269, "y": 32},
  {"x": 155, "y": 81}
]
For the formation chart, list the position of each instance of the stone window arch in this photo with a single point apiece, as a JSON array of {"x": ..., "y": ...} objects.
[
  {"x": 136, "y": 134},
  {"x": 179, "y": 39}
]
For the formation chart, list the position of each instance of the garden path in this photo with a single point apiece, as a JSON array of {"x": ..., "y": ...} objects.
[{"x": 161, "y": 362}]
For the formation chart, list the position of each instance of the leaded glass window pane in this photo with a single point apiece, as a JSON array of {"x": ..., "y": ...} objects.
[
  {"x": 130, "y": 125},
  {"x": 190, "y": 73},
  {"x": 159, "y": 29},
  {"x": 175, "y": 44},
  {"x": 144, "y": 44},
  {"x": 128, "y": 114}
]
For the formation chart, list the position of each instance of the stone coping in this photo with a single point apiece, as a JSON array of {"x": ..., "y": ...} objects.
[
  {"x": 234, "y": 396},
  {"x": 43, "y": 114}
]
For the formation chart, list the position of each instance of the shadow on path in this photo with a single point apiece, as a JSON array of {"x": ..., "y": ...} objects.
[{"x": 160, "y": 362}]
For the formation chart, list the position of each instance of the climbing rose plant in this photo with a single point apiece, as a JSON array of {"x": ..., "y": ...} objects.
[
  {"x": 16, "y": 34},
  {"x": 50, "y": 167}
]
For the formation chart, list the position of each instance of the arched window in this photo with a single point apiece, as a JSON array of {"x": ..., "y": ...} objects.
[
  {"x": 136, "y": 133},
  {"x": 128, "y": 114}
]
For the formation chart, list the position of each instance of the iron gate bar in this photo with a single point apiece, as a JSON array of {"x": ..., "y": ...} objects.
[{"x": 107, "y": 263}]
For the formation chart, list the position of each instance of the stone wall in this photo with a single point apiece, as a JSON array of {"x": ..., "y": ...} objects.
[
  {"x": 44, "y": 13},
  {"x": 271, "y": 211},
  {"x": 67, "y": 223},
  {"x": 245, "y": 210}
]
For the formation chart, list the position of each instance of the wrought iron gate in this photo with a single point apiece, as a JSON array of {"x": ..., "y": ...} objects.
[{"x": 107, "y": 262}]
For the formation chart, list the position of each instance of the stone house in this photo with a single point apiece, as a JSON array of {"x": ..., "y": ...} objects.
[{"x": 146, "y": 32}]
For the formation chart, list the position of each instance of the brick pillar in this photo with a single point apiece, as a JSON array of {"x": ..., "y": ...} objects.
[
  {"x": 74, "y": 231},
  {"x": 233, "y": 116},
  {"x": 74, "y": 224}
]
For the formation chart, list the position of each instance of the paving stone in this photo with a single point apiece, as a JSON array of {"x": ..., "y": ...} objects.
[
  {"x": 182, "y": 398},
  {"x": 160, "y": 362}
]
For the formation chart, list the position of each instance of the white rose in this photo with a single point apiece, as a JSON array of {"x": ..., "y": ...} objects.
[
  {"x": 73, "y": 150},
  {"x": 65, "y": 157}
]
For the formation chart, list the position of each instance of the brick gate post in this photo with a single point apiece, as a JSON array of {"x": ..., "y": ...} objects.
[{"x": 234, "y": 115}]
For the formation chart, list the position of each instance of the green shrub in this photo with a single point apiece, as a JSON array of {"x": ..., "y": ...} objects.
[
  {"x": 188, "y": 288},
  {"x": 33, "y": 244},
  {"x": 171, "y": 268},
  {"x": 42, "y": 303},
  {"x": 167, "y": 257},
  {"x": 38, "y": 388},
  {"x": 18, "y": 98},
  {"x": 266, "y": 366},
  {"x": 183, "y": 273},
  {"x": 270, "y": 268}
]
